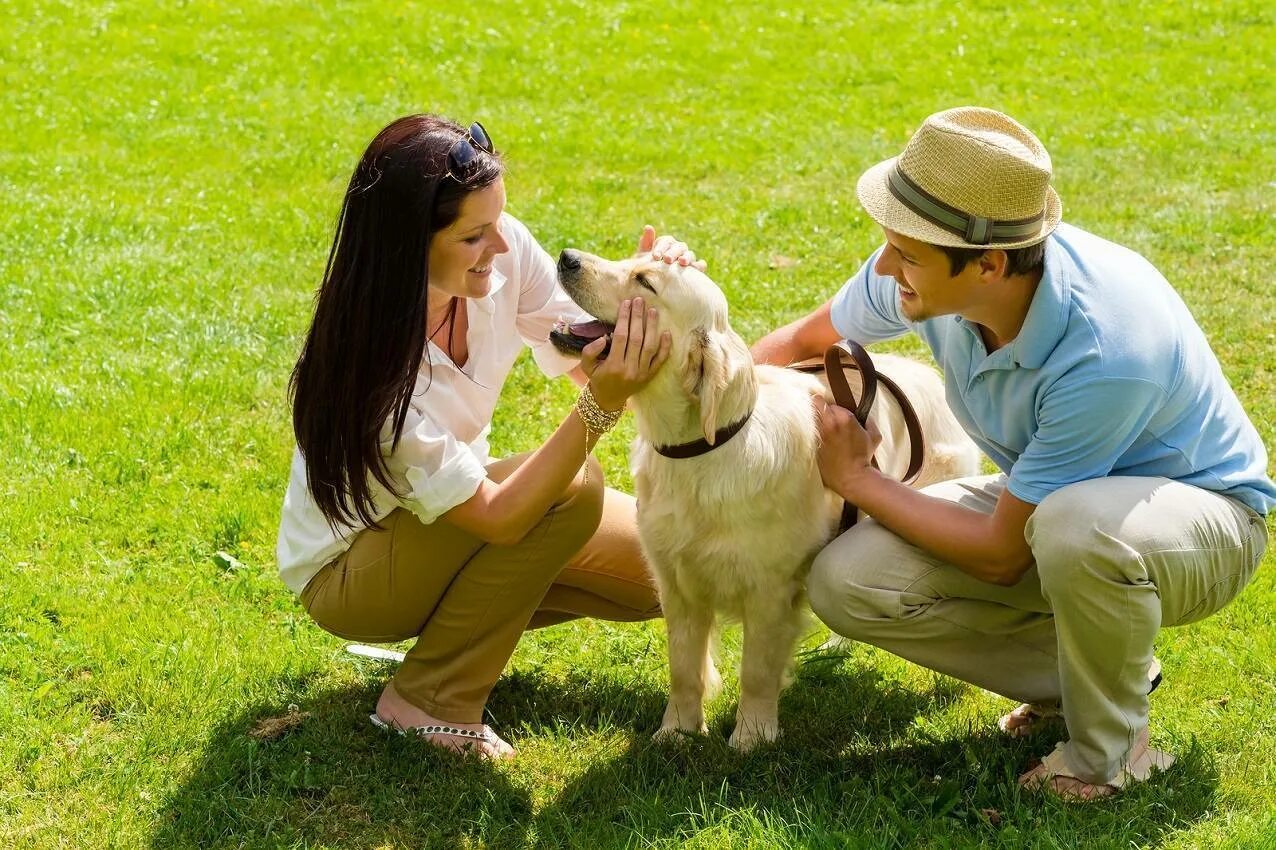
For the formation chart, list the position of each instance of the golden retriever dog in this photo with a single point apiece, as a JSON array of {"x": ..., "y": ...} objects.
[{"x": 733, "y": 531}]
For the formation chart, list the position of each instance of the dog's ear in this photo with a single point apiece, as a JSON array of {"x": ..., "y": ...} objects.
[{"x": 706, "y": 375}]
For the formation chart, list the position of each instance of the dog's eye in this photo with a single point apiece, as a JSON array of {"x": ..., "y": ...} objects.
[{"x": 641, "y": 280}]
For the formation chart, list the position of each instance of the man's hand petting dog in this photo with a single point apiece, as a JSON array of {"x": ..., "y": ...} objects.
[
  {"x": 846, "y": 447},
  {"x": 638, "y": 349}
]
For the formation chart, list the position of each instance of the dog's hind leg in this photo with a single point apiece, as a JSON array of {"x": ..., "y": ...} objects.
[
  {"x": 691, "y": 669},
  {"x": 771, "y": 628},
  {"x": 712, "y": 679}
]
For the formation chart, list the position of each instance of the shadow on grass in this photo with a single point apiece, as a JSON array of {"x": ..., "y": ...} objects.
[
  {"x": 852, "y": 770},
  {"x": 335, "y": 780}
]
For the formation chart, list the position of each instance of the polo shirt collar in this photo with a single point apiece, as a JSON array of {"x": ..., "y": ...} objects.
[
  {"x": 1047, "y": 318},
  {"x": 1043, "y": 327}
]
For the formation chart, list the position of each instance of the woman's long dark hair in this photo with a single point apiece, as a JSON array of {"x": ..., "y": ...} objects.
[{"x": 359, "y": 364}]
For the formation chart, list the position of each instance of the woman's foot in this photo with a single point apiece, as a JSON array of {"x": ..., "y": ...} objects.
[{"x": 397, "y": 713}]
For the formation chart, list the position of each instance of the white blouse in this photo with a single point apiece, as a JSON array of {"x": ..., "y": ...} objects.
[{"x": 441, "y": 457}]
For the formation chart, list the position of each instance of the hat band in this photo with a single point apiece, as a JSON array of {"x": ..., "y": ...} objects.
[{"x": 976, "y": 230}]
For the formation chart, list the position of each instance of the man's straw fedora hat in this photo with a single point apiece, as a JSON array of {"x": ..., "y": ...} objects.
[{"x": 968, "y": 178}]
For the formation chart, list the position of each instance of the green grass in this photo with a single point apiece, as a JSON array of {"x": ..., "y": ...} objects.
[{"x": 170, "y": 175}]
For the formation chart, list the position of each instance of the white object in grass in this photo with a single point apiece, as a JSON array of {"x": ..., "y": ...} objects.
[{"x": 373, "y": 652}]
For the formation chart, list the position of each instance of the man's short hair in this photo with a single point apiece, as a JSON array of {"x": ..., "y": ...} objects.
[{"x": 1029, "y": 258}]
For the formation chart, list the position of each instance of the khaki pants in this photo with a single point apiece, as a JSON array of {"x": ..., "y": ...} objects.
[
  {"x": 1115, "y": 560},
  {"x": 467, "y": 601}
]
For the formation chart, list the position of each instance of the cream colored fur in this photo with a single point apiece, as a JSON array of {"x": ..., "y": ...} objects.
[{"x": 733, "y": 532}]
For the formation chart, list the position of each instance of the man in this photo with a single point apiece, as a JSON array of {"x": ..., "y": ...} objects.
[{"x": 1134, "y": 485}]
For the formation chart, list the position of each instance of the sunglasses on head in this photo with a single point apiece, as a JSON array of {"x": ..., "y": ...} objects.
[{"x": 464, "y": 152}]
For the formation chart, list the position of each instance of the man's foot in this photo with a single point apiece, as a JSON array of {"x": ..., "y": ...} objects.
[
  {"x": 397, "y": 713},
  {"x": 1065, "y": 787},
  {"x": 1053, "y": 776},
  {"x": 1020, "y": 722}
]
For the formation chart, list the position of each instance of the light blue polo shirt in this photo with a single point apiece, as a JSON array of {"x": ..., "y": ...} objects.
[{"x": 1110, "y": 375}]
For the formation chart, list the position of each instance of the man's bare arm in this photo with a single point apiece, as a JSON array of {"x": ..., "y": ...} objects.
[
  {"x": 990, "y": 547},
  {"x": 806, "y": 337}
]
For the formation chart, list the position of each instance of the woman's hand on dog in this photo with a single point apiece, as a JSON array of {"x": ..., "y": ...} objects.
[
  {"x": 667, "y": 248},
  {"x": 846, "y": 447},
  {"x": 638, "y": 349}
]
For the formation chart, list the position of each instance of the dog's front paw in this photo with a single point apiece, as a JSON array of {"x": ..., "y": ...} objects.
[
  {"x": 751, "y": 732},
  {"x": 677, "y": 723},
  {"x": 672, "y": 735}
]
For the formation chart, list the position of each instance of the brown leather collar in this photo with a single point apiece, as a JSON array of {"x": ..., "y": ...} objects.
[
  {"x": 702, "y": 446},
  {"x": 834, "y": 364}
]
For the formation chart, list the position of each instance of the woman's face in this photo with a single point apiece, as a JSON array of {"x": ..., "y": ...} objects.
[{"x": 461, "y": 254}]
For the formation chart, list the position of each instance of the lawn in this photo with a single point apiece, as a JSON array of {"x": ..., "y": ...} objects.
[{"x": 171, "y": 175}]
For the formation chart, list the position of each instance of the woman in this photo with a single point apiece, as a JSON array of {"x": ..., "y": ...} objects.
[{"x": 396, "y": 523}]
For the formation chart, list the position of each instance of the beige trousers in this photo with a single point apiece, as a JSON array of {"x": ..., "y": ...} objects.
[
  {"x": 467, "y": 601},
  {"x": 1115, "y": 560}
]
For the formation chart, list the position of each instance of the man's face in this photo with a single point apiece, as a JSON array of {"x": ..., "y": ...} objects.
[{"x": 927, "y": 287}]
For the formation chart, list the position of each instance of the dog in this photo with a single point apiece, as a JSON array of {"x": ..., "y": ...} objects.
[{"x": 733, "y": 531}]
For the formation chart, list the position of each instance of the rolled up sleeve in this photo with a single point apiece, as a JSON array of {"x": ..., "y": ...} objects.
[
  {"x": 866, "y": 308},
  {"x": 439, "y": 470}
]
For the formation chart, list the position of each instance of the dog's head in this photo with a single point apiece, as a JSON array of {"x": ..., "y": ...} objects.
[{"x": 706, "y": 354}]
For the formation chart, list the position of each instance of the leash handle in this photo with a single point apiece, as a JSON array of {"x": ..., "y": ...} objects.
[
  {"x": 835, "y": 364},
  {"x": 834, "y": 369}
]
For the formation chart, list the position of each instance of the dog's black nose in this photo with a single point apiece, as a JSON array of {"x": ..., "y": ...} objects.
[{"x": 569, "y": 261}]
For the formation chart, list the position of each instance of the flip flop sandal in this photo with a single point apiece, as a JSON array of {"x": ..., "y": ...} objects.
[
  {"x": 1020, "y": 722},
  {"x": 486, "y": 736},
  {"x": 1137, "y": 768}
]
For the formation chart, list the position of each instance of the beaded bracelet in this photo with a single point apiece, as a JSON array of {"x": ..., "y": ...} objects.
[{"x": 597, "y": 421}]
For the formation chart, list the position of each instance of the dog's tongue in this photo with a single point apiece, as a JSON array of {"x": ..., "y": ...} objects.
[{"x": 589, "y": 330}]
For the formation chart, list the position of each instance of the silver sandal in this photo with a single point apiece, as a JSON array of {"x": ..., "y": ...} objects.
[{"x": 486, "y": 736}]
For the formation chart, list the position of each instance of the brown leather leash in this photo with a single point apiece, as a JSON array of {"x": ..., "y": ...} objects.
[{"x": 834, "y": 364}]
